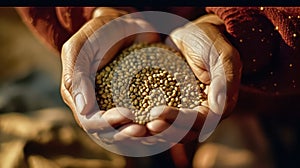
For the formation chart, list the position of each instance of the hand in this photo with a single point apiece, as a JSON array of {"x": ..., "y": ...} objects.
[
  {"x": 215, "y": 62},
  {"x": 89, "y": 50}
]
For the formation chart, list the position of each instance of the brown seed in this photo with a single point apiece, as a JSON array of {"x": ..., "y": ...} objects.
[{"x": 146, "y": 68}]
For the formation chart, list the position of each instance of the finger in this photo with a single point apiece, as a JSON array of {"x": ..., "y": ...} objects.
[
  {"x": 160, "y": 126},
  {"x": 225, "y": 65},
  {"x": 232, "y": 66},
  {"x": 129, "y": 131},
  {"x": 183, "y": 117},
  {"x": 118, "y": 116},
  {"x": 136, "y": 136},
  {"x": 218, "y": 89},
  {"x": 108, "y": 121},
  {"x": 167, "y": 113},
  {"x": 157, "y": 126},
  {"x": 175, "y": 134},
  {"x": 67, "y": 98},
  {"x": 76, "y": 75},
  {"x": 83, "y": 93}
]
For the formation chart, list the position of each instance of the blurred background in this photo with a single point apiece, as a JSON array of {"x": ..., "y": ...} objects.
[{"x": 36, "y": 128}]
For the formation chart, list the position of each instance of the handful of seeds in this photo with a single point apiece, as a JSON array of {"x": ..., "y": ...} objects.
[{"x": 147, "y": 75}]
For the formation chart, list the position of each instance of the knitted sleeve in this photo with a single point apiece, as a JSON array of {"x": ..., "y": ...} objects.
[
  {"x": 268, "y": 41},
  {"x": 286, "y": 20},
  {"x": 55, "y": 25}
]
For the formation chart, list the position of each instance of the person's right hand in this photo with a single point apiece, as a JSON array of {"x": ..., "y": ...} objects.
[
  {"x": 89, "y": 50},
  {"x": 214, "y": 62},
  {"x": 210, "y": 55}
]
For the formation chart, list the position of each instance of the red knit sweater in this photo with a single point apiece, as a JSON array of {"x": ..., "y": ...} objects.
[
  {"x": 266, "y": 37},
  {"x": 268, "y": 41}
]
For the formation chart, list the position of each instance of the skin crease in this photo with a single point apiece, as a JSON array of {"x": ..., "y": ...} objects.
[
  {"x": 232, "y": 67},
  {"x": 77, "y": 90},
  {"x": 72, "y": 47},
  {"x": 73, "y": 89}
]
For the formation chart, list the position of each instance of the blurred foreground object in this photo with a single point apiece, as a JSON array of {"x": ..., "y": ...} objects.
[{"x": 50, "y": 138}]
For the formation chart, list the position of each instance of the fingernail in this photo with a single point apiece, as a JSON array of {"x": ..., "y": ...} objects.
[
  {"x": 120, "y": 137},
  {"x": 221, "y": 99},
  {"x": 156, "y": 111},
  {"x": 79, "y": 103}
]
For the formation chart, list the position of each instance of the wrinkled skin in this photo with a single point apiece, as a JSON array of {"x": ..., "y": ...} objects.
[
  {"x": 77, "y": 88},
  {"x": 195, "y": 43}
]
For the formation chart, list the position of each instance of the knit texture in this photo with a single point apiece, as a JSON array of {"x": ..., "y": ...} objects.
[{"x": 268, "y": 41}]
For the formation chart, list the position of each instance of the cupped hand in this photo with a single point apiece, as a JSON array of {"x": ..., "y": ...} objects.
[
  {"x": 89, "y": 50},
  {"x": 214, "y": 62}
]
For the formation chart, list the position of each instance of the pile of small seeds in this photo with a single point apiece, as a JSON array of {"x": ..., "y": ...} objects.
[{"x": 146, "y": 75}]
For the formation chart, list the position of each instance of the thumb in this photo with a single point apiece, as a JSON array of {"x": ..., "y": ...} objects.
[
  {"x": 229, "y": 65},
  {"x": 204, "y": 59}
]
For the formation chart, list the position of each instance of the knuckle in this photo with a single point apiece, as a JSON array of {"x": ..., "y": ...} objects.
[
  {"x": 65, "y": 48},
  {"x": 178, "y": 33},
  {"x": 65, "y": 95},
  {"x": 67, "y": 81}
]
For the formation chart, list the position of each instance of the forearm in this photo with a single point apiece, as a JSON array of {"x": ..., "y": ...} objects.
[{"x": 55, "y": 25}]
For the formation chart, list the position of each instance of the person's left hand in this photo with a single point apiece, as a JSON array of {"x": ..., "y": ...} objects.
[{"x": 89, "y": 50}]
